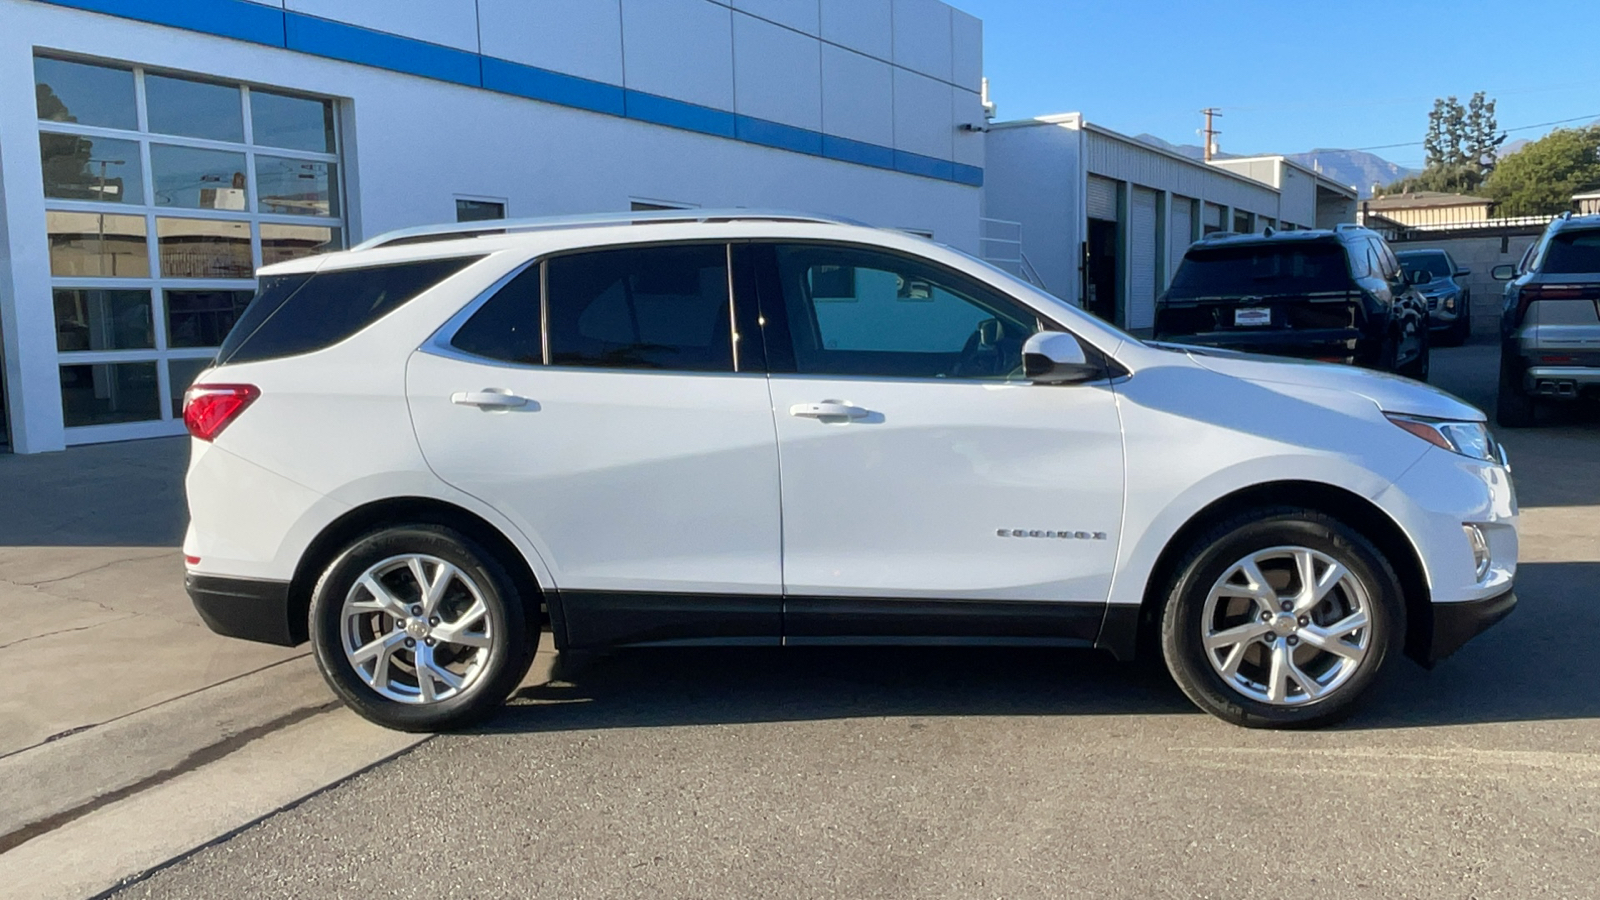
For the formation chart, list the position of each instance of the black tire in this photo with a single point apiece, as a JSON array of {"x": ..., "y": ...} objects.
[
  {"x": 1459, "y": 330},
  {"x": 1215, "y": 553},
  {"x": 1513, "y": 406},
  {"x": 509, "y": 650},
  {"x": 1420, "y": 367}
]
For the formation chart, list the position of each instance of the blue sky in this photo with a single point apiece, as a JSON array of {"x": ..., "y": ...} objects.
[{"x": 1291, "y": 76}]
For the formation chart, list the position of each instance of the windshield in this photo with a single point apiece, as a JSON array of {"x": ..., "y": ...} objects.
[
  {"x": 1573, "y": 252},
  {"x": 1261, "y": 270},
  {"x": 1435, "y": 264}
]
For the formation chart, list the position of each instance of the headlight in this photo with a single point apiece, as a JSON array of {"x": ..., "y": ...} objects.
[{"x": 1466, "y": 438}]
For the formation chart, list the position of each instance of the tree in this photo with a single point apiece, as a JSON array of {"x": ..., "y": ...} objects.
[
  {"x": 1482, "y": 137},
  {"x": 1460, "y": 146},
  {"x": 1540, "y": 179}
]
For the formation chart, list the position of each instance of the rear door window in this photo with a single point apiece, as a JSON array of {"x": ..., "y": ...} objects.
[
  {"x": 302, "y": 313},
  {"x": 664, "y": 307},
  {"x": 1261, "y": 270},
  {"x": 1573, "y": 253}
]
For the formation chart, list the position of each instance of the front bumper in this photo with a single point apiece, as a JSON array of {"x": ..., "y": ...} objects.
[
  {"x": 1456, "y": 623},
  {"x": 245, "y": 608}
]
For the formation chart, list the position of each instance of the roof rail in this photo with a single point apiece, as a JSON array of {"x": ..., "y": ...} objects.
[
  {"x": 427, "y": 233},
  {"x": 1218, "y": 235},
  {"x": 1350, "y": 226}
]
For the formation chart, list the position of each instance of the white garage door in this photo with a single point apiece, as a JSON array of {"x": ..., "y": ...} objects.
[
  {"x": 1142, "y": 258},
  {"x": 1178, "y": 234},
  {"x": 1101, "y": 198}
]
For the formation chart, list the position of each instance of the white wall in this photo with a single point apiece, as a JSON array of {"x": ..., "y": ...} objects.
[
  {"x": 1035, "y": 176},
  {"x": 412, "y": 144}
]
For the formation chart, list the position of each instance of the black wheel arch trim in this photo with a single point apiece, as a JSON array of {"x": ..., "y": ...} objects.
[{"x": 396, "y": 511}]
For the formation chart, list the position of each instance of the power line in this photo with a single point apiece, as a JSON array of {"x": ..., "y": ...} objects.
[{"x": 1589, "y": 118}]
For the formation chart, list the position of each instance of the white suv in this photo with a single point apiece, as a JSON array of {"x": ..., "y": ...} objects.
[{"x": 745, "y": 428}]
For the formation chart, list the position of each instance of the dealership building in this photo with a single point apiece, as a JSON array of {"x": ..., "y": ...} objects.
[{"x": 174, "y": 147}]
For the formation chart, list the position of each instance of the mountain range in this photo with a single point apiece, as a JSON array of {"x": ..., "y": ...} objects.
[{"x": 1353, "y": 167}]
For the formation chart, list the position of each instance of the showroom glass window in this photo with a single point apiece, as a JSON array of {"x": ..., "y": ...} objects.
[{"x": 164, "y": 193}]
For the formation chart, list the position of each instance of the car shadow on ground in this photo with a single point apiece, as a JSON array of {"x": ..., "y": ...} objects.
[{"x": 1536, "y": 665}]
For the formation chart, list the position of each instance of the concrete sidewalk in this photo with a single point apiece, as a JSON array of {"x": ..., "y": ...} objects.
[
  {"x": 130, "y": 734},
  {"x": 91, "y": 584}
]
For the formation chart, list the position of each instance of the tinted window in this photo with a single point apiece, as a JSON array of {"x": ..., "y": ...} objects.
[
  {"x": 83, "y": 168},
  {"x": 84, "y": 93},
  {"x": 1573, "y": 252},
  {"x": 295, "y": 314},
  {"x": 641, "y": 308},
  {"x": 860, "y": 312},
  {"x": 1436, "y": 265},
  {"x": 506, "y": 327},
  {"x": 1260, "y": 270},
  {"x": 194, "y": 108},
  {"x": 298, "y": 123}
]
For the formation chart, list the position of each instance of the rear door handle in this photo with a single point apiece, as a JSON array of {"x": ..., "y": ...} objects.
[
  {"x": 828, "y": 409},
  {"x": 489, "y": 399}
]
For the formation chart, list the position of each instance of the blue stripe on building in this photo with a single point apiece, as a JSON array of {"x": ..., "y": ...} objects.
[{"x": 258, "y": 24}]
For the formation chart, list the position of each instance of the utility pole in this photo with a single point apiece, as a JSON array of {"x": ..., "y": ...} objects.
[{"x": 1210, "y": 133}]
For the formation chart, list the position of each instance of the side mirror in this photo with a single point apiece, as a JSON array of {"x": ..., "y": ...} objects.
[
  {"x": 1503, "y": 272},
  {"x": 1462, "y": 271},
  {"x": 1053, "y": 357}
]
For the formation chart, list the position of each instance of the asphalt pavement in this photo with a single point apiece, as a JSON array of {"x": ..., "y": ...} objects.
[{"x": 745, "y": 773}]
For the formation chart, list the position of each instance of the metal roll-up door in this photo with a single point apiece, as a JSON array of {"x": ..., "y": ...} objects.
[
  {"x": 1178, "y": 234},
  {"x": 1142, "y": 258},
  {"x": 1102, "y": 198},
  {"x": 1213, "y": 220}
]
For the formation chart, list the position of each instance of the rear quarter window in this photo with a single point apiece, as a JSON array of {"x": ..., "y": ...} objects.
[{"x": 302, "y": 313}]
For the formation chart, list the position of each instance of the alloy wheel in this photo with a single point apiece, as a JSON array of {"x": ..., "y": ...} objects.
[
  {"x": 416, "y": 629},
  {"x": 1287, "y": 625}
]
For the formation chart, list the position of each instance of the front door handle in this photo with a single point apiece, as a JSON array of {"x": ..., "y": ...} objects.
[
  {"x": 828, "y": 409},
  {"x": 489, "y": 399}
]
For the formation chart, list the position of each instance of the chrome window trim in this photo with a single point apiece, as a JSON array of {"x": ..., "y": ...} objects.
[{"x": 438, "y": 344}]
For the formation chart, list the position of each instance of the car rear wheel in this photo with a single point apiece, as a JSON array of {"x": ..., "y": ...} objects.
[
  {"x": 419, "y": 628},
  {"x": 1281, "y": 618},
  {"x": 1513, "y": 407}
]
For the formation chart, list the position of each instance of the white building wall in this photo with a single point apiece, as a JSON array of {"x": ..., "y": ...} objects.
[
  {"x": 412, "y": 144},
  {"x": 1127, "y": 160},
  {"x": 1035, "y": 177}
]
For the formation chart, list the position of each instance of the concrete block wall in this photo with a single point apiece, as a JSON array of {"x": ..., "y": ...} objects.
[{"x": 1480, "y": 254}]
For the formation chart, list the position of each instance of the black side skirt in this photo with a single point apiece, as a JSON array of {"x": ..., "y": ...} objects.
[{"x": 599, "y": 619}]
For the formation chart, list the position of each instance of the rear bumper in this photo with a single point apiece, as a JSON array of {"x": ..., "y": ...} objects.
[
  {"x": 1339, "y": 345},
  {"x": 1456, "y": 623},
  {"x": 243, "y": 608},
  {"x": 1559, "y": 380}
]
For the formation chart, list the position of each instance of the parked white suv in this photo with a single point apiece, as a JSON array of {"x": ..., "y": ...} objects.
[{"x": 745, "y": 428}]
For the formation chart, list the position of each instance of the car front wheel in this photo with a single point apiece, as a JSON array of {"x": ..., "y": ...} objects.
[
  {"x": 419, "y": 628},
  {"x": 1281, "y": 618}
]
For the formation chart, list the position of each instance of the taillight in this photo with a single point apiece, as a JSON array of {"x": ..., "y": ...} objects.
[
  {"x": 1529, "y": 293},
  {"x": 209, "y": 408}
]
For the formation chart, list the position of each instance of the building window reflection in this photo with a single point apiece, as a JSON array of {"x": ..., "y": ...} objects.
[{"x": 164, "y": 193}]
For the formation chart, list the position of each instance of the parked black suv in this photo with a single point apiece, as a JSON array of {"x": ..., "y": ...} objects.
[
  {"x": 1438, "y": 279},
  {"x": 1336, "y": 296},
  {"x": 1550, "y": 328}
]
